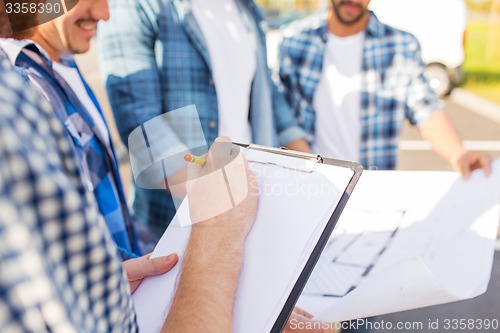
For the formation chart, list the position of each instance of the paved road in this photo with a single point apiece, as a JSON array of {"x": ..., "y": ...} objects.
[
  {"x": 477, "y": 130},
  {"x": 486, "y": 306}
]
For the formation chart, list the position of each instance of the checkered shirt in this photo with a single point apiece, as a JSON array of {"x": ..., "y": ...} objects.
[
  {"x": 59, "y": 268},
  {"x": 96, "y": 153},
  {"x": 393, "y": 84}
]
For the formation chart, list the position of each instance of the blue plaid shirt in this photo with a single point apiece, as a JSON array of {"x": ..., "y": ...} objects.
[
  {"x": 393, "y": 84},
  {"x": 155, "y": 60},
  {"x": 59, "y": 269},
  {"x": 97, "y": 157}
]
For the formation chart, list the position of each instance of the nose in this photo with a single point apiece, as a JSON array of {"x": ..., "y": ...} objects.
[{"x": 100, "y": 10}]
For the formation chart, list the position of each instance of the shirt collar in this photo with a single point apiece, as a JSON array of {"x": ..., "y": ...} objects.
[
  {"x": 375, "y": 27},
  {"x": 315, "y": 24},
  {"x": 321, "y": 25},
  {"x": 13, "y": 48},
  {"x": 67, "y": 59}
]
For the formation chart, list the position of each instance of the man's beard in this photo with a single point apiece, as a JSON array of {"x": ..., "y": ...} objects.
[{"x": 336, "y": 9}]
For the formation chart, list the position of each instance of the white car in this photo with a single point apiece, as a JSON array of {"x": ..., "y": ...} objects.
[{"x": 439, "y": 25}]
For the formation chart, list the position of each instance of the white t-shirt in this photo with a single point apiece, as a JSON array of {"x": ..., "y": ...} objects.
[
  {"x": 233, "y": 61},
  {"x": 337, "y": 99},
  {"x": 71, "y": 76}
]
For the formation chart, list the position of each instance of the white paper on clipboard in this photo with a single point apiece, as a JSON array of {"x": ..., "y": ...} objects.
[{"x": 296, "y": 202}]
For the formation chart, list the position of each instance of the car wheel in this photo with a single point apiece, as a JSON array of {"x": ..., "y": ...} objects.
[{"x": 439, "y": 79}]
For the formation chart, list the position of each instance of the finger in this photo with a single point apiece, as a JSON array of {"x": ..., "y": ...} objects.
[
  {"x": 299, "y": 318},
  {"x": 160, "y": 265},
  {"x": 235, "y": 150},
  {"x": 219, "y": 153},
  {"x": 223, "y": 138},
  {"x": 465, "y": 171},
  {"x": 485, "y": 161},
  {"x": 303, "y": 312},
  {"x": 144, "y": 266},
  {"x": 464, "y": 167}
]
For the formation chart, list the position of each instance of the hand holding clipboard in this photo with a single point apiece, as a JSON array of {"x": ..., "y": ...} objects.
[{"x": 302, "y": 196}]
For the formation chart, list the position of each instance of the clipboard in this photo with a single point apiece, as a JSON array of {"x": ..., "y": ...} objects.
[
  {"x": 275, "y": 159},
  {"x": 320, "y": 245}
]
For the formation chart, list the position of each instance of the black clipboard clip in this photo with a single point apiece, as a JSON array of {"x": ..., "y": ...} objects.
[{"x": 317, "y": 159}]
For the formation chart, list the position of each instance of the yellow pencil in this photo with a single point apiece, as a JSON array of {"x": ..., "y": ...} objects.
[{"x": 194, "y": 159}]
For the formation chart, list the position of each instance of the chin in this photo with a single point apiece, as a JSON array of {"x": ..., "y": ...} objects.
[{"x": 80, "y": 49}]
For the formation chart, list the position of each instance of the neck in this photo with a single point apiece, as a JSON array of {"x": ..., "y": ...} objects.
[
  {"x": 344, "y": 30},
  {"x": 53, "y": 52}
]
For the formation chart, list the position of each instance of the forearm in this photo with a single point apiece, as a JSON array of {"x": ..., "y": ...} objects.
[
  {"x": 204, "y": 298},
  {"x": 214, "y": 256},
  {"x": 440, "y": 132},
  {"x": 445, "y": 141}
]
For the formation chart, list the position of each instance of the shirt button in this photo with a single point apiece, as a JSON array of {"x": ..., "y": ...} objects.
[
  {"x": 212, "y": 124},
  {"x": 211, "y": 82}
]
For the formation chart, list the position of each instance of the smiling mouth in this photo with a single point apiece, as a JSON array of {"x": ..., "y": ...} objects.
[
  {"x": 87, "y": 26},
  {"x": 351, "y": 6}
]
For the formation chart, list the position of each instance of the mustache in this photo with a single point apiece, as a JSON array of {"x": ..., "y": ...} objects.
[{"x": 86, "y": 20}]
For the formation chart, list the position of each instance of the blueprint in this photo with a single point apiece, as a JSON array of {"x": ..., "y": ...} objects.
[{"x": 407, "y": 240}]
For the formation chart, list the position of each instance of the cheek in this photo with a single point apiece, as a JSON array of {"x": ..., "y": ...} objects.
[
  {"x": 73, "y": 36},
  {"x": 59, "y": 33}
]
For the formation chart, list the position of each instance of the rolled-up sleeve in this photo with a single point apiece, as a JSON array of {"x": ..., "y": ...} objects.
[{"x": 421, "y": 100}]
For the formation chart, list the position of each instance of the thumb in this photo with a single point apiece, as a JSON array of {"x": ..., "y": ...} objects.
[{"x": 144, "y": 266}]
